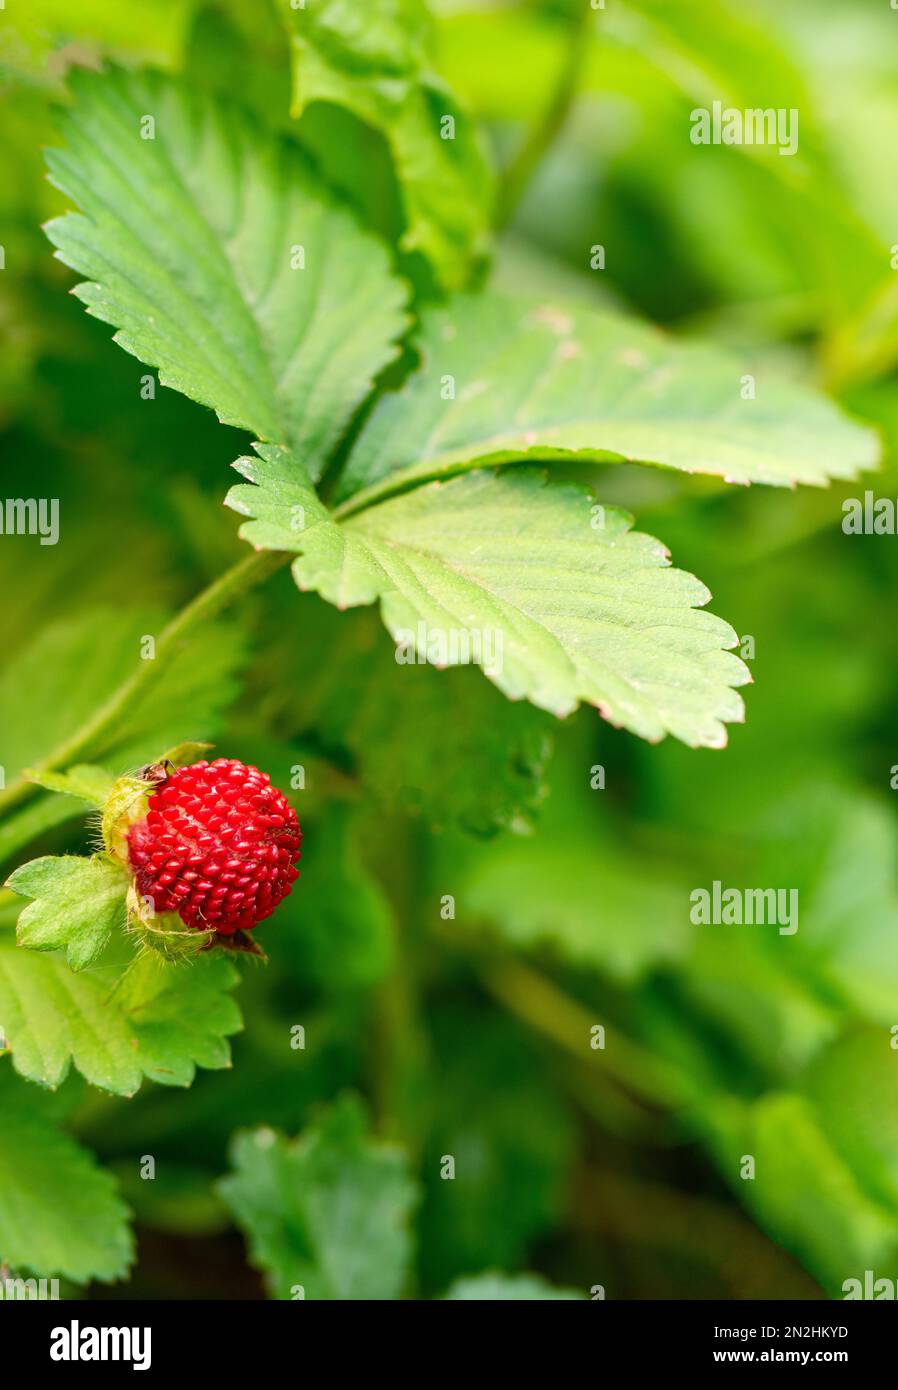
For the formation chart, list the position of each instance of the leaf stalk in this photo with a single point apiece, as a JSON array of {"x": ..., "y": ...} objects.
[{"x": 93, "y": 736}]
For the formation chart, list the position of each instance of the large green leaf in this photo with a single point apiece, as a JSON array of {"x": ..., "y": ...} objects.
[
  {"x": 156, "y": 1020},
  {"x": 77, "y": 904},
  {"x": 60, "y": 1215},
  {"x": 503, "y": 380},
  {"x": 555, "y": 598},
  {"x": 221, "y": 259},
  {"x": 326, "y": 1213},
  {"x": 374, "y": 61}
]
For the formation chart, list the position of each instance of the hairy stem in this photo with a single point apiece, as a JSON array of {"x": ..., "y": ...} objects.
[
  {"x": 93, "y": 736},
  {"x": 543, "y": 134}
]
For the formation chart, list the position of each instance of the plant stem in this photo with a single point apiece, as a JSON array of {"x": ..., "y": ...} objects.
[
  {"x": 401, "y": 1055},
  {"x": 541, "y": 1004},
  {"x": 614, "y": 1205},
  {"x": 93, "y": 736},
  {"x": 543, "y": 134}
]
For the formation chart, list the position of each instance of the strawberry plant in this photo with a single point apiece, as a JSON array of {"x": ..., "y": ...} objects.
[{"x": 325, "y": 237}]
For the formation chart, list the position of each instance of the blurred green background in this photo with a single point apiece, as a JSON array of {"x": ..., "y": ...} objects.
[{"x": 470, "y": 1036}]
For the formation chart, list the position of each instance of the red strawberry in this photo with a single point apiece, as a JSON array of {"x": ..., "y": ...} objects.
[{"x": 218, "y": 846}]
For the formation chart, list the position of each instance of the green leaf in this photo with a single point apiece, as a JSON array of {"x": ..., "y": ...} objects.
[
  {"x": 328, "y": 1211},
  {"x": 583, "y": 896},
  {"x": 59, "y": 680},
  {"x": 854, "y": 1087},
  {"x": 338, "y": 931},
  {"x": 803, "y": 1194},
  {"x": 60, "y": 1215},
  {"x": 375, "y": 63},
  {"x": 512, "y": 574},
  {"x": 284, "y": 508},
  {"x": 578, "y": 889},
  {"x": 773, "y": 1015},
  {"x": 77, "y": 905},
  {"x": 489, "y": 758},
  {"x": 222, "y": 260},
  {"x": 155, "y": 1020},
  {"x": 783, "y": 998},
  {"x": 506, "y": 1288},
  {"x": 180, "y": 1200},
  {"x": 88, "y": 783},
  {"x": 47, "y": 28},
  {"x": 835, "y": 847},
  {"x": 31, "y": 821},
  {"x": 552, "y": 381},
  {"x": 181, "y": 1016},
  {"x": 183, "y": 754},
  {"x": 360, "y": 704},
  {"x": 501, "y": 1117}
]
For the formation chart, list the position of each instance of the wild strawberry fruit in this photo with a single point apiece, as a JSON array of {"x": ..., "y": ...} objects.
[{"x": 218, "y": 846}]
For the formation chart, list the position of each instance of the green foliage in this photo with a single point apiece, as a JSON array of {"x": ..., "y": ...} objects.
[
  {"x": 327, "y": 1212},
  {"x": 55, "y": 682},
  {"x": 116, "y": 1025},
  {"x": 457, "y": 445},
  {"x": 376, "y": 64},
  {"x": 542, "y": 357},
  {"x": 72, "y": 666},
  {"x": 86, "y": 782},
  {"x": 39, "y": 29},
  {"x": 77, "y": 905},
  {"x": 60, "y": 1214},
  {"x": 829, "y": 1222},
  {"x": 577, "y": 608},
  {"x": 340, "y": 933},
  {"x": 221, "y": 260},
  {"x": 509, "y": 1135},
  {"x": 837, "y": 848},
  {"x": 361, "y": 703},
  {"x": 861, "y": 1122},
  {"x": 546, "y": 379},
  {"x": 577, "y": 892}
]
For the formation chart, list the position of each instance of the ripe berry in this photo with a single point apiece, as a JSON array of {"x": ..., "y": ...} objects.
[{"x": 218, "y": 846}]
